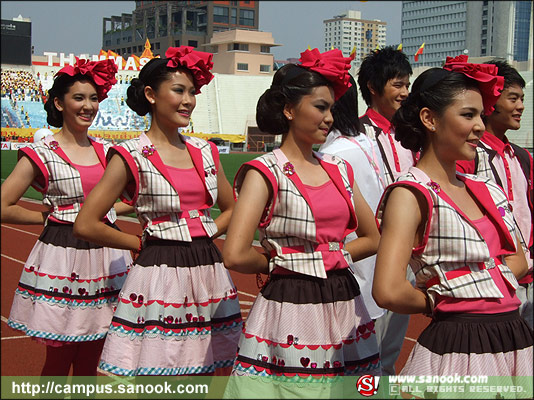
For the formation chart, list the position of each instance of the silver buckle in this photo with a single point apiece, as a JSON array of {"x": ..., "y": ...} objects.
[
  {"x": 491, "y": 263},
  {"x": 194, "y": 214},
  {"x": 333, "y": 246}
]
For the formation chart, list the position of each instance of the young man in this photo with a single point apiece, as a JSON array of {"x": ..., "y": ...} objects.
[
  {"x": 510, "y": 166},
  {"x": 384, "y": 79}
]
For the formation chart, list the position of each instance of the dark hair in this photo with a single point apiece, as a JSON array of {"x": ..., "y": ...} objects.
[
  {"x": 510, "y": 74},
  {"x": 345, "y": 111},
  {"x": 378, "y": 67},
  {"x": 290, "y": 84},
  {"x": 152, "y": 74},
  {"x": 59, "y": 89},
  {"x": 435, "y": 94}
]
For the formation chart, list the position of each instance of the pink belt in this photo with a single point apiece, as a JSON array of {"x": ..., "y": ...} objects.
[
  {"x": 460, "y": 272},
  {"x": 330, "y": 246},
  {"x": 191, "y": 214},
  {"x": 67, "y": 207}
]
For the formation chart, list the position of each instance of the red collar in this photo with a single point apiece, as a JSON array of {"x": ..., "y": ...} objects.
[
  {"x": 381, "y": 121},
  {"x": 497, "y": 144}
]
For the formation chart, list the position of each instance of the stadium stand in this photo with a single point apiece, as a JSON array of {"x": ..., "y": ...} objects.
[{"x": 226, "y": 106}]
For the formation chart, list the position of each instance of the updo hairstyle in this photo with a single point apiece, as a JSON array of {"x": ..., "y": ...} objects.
[
  {"x": 290, "y": 84},
  {"x": 59, "y": 89},
  {"x": 151, "y": 75},
  {"x": 435, "y": 89}
]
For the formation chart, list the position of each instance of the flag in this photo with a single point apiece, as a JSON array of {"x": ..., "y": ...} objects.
[
  {"x": 353, "y": 53},
  {"x": 102, "y": 53},
  {"x": 399, "y": 47},
  {"x": 377, "y": 47},
  {"x": 419, "y": 52}
]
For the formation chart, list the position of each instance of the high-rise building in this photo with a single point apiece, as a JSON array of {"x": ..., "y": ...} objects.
[
  {"x": 349, "y": 30},
  {"x": 476, "y": 28},
  {"x": 175, "y": 23}
]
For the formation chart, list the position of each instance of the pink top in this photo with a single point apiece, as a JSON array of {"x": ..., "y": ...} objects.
[
  {"x": 192, "y": 195},
  {"x": 509, "y": 302},
  {"x": 331, "y": 217},
  {"x": 90, "y": 175}
]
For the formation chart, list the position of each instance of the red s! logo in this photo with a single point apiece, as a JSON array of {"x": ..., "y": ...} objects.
[{"x": 367, "y": 385}]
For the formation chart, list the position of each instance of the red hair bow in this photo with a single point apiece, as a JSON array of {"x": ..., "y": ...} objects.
[
  {"x": 101, "y": 72},
  {"x": 330, "y": 64},
  {"x": 198, "y": 62},
  {"x": 489, "y": 83}
]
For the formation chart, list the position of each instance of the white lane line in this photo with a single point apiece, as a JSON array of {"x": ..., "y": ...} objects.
[
  {"x": 15, "y": 337},
  {"x": 13, "y": 259},
  {"x": 246, "y": 303},
  {"x": 246, "y": 294},
  {"x": 4, "y": 319},
  {"x": 20, "y": 230},
  {"x": 410, "y": 339}
]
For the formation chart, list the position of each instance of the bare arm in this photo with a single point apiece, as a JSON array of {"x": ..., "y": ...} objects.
[
  {"x": 238, "y": 253},
  {"x": 13, "y": 188},
  {"x": 517, "y": 262},
  {"x": 368, "y": 236},
  {"x": 225, "y": 201},
  {"x": 123, "y": 208},
  {"x": 402, "y": 228},
  {"x": 89, "y": 225}
]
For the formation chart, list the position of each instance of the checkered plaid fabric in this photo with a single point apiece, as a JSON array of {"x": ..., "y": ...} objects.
[
  {"x": 483, "y": 167},
  {"x": 64, "y": 185},
  {"x": 155, "y": 197},
  {"x": 290, "y": 221},
  {"x": 454, "y": 242}
]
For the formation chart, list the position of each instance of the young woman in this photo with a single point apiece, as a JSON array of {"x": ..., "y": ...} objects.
[
  {"x": 68, "y": 286},
  {"x": 363, "y": 154},
  {"x": 456, "y": 231},
  {"x": 309, "y": 318},
  {"x": 178, "y": 312}
]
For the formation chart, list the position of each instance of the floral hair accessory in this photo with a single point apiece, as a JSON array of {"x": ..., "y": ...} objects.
[
  {"x": 198, "y": 62},
  {"x": 330, "y": 64},
  {"x": 489, "y": 83},
  {"x": 102, "y": 73}
]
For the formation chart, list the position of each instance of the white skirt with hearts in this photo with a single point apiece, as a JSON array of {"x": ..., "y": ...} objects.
[
  {"x": 303, "y": 328},
  {"x": 178, "y": 313}
]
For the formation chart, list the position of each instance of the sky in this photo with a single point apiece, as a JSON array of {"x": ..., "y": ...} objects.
[{"x": 76, "y": 26}]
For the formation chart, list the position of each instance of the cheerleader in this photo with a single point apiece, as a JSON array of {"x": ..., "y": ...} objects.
[
  {"x": 456, "y": 231},
  {"x": 69, "y": 287},
  {"x": 178, "y": 311},
  {"x": 309, "y": 323}
]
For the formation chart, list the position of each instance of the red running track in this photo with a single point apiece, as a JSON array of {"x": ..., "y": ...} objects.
[{"x": 22, "y": 356}]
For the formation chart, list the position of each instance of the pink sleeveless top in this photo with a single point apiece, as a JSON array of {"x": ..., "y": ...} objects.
[
  {"x": 192, "y": 195},
  {"x": 509, "y": 302},
  {"x": 331, "y": 218},
  {"x": 90, "y": 175}
]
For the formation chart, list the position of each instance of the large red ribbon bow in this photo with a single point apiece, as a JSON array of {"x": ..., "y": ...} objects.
[
  {"x": 198, "y": 62},
  {"x": 489, "y": 83},
  {"x": 101, "y": 72},
  {"x": 330, "y": 64}
]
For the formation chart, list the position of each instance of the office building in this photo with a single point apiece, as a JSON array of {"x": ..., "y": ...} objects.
[
  {"x": 477, "y": 28},
  {"x": 348, "y": 31},
  {"x": 175, "y": 23}
]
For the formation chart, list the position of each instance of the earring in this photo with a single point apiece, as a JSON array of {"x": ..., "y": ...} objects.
[
  {"x": 433, "y": 129},
  {"x": 290, "y": 117},
  {"x": 151, "y": 101}
]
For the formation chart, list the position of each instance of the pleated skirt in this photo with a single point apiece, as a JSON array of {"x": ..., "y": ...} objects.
[
  {"x": 473, "y": 344},
  {"x": 68, "y": 288},
  {"x": 178, "y": 313},
  {"x": 305, "y": 329}
]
